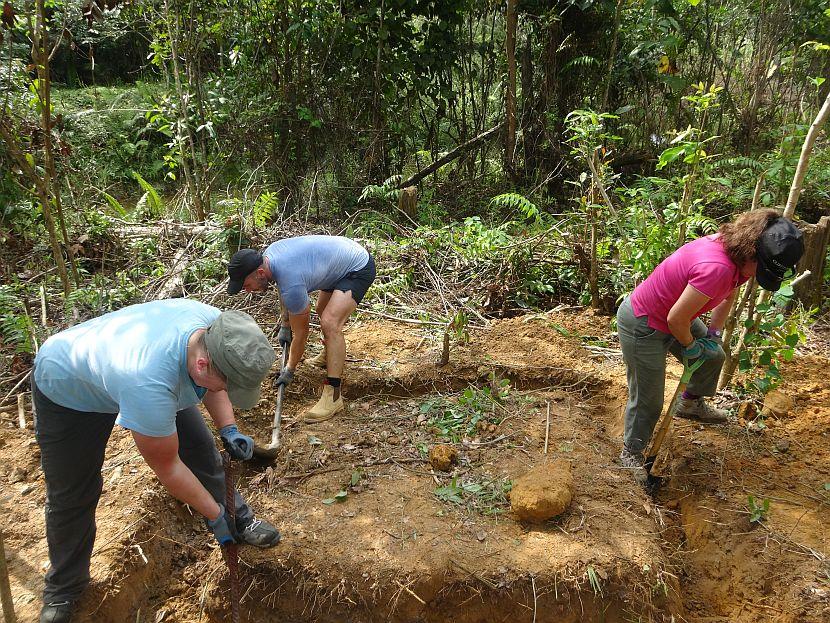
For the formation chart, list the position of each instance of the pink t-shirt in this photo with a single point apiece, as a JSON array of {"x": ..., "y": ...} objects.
[{"x": 702, "y": 264}]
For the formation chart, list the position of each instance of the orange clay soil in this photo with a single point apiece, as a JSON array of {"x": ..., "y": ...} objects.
[{"x": 391, "y": 550}]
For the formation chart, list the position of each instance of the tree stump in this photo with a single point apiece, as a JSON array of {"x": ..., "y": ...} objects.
[
  {"x": 408, "y": 202},
  {"x": 816, "y": 238}
]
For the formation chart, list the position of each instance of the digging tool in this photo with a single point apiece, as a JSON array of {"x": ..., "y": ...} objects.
[
  {"x": 5, "y": 590},
  {"x": 230, "y": 552},
  {"x": 653, "y": 481},
  {"x": 269, "y": 452}
]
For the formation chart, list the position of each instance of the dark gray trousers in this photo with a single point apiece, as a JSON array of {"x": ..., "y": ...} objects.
[
  {"x": 644, "y": 352},
  {"x": 72, "y": 447}
]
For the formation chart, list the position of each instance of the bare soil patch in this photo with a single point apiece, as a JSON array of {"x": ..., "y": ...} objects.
[{"x": 408, "y": 543}]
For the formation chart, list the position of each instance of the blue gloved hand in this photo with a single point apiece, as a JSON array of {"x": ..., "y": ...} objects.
[
  {"x": 222, "y": 527},
  {"x": 702, "y": 347},
  {"x": 284, "y": 336},
  {"x": 239, "y": 446},
  {"x": 285, "y": 378}
]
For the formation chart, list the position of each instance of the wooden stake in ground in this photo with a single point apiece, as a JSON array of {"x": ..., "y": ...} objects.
[
  {"x": 547, "y": 428},
  {"x": 5, "y": 589},
  {"x": 21, "y": 411}
]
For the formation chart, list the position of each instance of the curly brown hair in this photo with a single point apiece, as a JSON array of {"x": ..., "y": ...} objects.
[{"x": 740, "y": 237}]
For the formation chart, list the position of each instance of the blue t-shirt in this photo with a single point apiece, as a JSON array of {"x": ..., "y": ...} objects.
[
  {"x": 308, "y": 263},
  {"x": 132, "y": 362}
]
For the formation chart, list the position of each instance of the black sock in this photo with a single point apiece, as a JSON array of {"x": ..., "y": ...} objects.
[{"x": 333, "y": 381}]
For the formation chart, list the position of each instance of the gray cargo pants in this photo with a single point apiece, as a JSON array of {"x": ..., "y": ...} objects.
[
  {"x": 72, "y": 447},
  {"x": 644, "y": 351}
]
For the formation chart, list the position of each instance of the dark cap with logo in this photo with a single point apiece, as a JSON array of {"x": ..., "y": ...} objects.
[
  {"x": 239, "y": 348},
  {"x": 778, "y": 250},
  {"x": 242, "y": 264}
]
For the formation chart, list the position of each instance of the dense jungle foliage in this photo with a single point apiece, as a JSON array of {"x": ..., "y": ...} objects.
[{"x": 580, "y": 142}]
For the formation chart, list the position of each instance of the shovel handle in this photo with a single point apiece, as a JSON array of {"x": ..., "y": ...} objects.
[
  {"x": 275, "y": 428},
  {"x": 665, "y": 419}
]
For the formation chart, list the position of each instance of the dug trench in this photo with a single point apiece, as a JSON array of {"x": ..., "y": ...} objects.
[{"x": 372, "y": 532}]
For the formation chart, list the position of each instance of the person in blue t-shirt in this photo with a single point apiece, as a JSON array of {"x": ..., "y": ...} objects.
[
  {"x": 144, "y": 367},
  {"x": 341, "y": 269}
]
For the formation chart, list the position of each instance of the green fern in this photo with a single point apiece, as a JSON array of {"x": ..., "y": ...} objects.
[
  {"x": 387, "y": 191},
  {"x": 518, "y": 203},
  {"x": 740, "y": 162},
  {"x": 265, "y": 207},
  {"x": 703, "y": 223},
  {"x": 583, "y": 62},
  {"x": 151, "y": 199},
  {"x": 114, "y": 204}
]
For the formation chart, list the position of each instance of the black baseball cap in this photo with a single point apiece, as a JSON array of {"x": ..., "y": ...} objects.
[
  {"x": 242, "y": 264},
  {"x": 778, "y": 250}
]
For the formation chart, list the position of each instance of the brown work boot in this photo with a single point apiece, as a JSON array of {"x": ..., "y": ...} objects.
[
  {"x": 700, "y": 410},
  {"x": 326, "y": 407},
  {"x": 319, "y": 360}
]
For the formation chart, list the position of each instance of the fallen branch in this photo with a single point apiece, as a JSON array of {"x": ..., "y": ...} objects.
[
  {"x": 450, "y": 156},
  {"x": 175, "y": 280}
]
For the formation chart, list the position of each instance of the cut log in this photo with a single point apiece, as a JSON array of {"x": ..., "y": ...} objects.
[
  {"x": 408, "y": 201},
  {"x": 816, "y": 239},
  {"x": 166, "y": 228}
]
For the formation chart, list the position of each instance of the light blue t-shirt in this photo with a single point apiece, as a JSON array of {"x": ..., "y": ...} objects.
[
  {"x": 132, "y": 362},
  {"x": 308, "y": 263}
]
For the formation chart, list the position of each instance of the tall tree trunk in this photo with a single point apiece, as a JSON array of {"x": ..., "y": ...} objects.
[
  {"x": 804, "y": 159},
  {"x": 52, "y": 184},
  {"x": 510, "y": 93},
  {"x": 611, "y": 54},
  {"x": 42, "y": 193},
  {"x": 184, "y": 134}
]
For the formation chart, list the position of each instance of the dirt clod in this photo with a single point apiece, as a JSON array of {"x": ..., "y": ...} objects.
[
  {"x": 777, "y": 403},
  {"x": 782, "y": 445},
  {"x": 442, "y": 457},
  {"x": 543, "y": 492}
]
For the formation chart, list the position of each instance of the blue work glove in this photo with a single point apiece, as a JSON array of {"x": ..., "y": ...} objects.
[
  {"x": 223, "y": 528},
  {"x": 702, "y": 347},
  {"x": 239, "y": 446},
  {"x": 284, "y": 336},
  {"x": 285, "y": 377}
]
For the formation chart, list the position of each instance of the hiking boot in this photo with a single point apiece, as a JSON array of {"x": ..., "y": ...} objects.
[
  {"x": 326, "y": 407},
  {"x": 698, "y": 409},
  {"x": 57, "y": 612},
  {"x": 258, "y": 533},
  {"x": 635, "y": 463},
  {"x": 319, "y": 360}
]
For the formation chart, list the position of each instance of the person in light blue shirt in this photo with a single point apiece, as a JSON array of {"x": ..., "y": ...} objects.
[
  {"x": 145, "y": 367},
  {"x": 342, "y": 271}
]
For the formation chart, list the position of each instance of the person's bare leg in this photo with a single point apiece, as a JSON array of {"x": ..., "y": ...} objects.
[
  {"x": 319, "y": 360},
  {"x": 323, "y": 299},
  {"x": 334, "y": 317},
  {"x": 338, "y": 309}
]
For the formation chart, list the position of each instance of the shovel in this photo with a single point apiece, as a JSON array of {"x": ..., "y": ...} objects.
[
  {"x": 269, "y": 452},
  {"x": 653, "y": 481}
]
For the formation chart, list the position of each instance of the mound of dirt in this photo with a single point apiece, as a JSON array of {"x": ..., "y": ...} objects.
[
  {"x": 543, "y": 493},
  {"x": 442, "y": 457}
]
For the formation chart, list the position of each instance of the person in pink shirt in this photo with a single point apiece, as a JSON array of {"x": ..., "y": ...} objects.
[{"x": 662, "y": 315}]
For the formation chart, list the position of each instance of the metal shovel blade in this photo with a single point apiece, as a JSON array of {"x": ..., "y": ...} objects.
[{"x": 270, "y": 452}]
